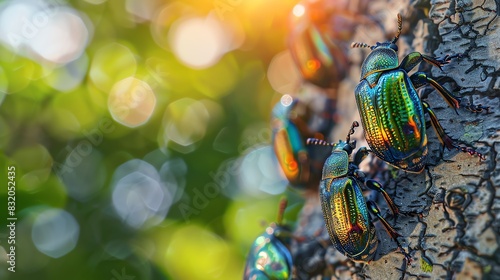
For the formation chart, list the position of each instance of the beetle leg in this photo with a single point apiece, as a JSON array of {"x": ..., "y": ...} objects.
[
  {"x": 374, "y": 185},
  {"x": 360, "y": 175},
  {"x": 410, "y": 61},
  {"x": 477, "y": 108},
  {"x": 394, "y": 234},
  {"x": 441, "y": 61},
  {"x": 419, "y": 79},
  {"x": 281, "y": 210},
  {"x": 414, "y": 58},
  {"x": 360, "y": 155},
  {"x": 444, "y": 138}
]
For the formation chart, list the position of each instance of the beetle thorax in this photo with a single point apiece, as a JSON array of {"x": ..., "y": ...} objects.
[
  {"x": 336, "y": 165},
  {"x": 379, "y": 60}
]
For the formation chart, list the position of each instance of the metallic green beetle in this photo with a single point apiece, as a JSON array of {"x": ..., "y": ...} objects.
[
  {"x": 391, "y": 111},
  {"x": 344, "y": 207},
  {"x": 293, "y": 122},
  {"x": 269, "y": 257},
  {"x": 317, "y": 38}
]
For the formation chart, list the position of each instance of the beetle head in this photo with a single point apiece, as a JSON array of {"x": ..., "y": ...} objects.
[
  {"x": 348, "y": 145},
  {"x": 389, "y": 44}
]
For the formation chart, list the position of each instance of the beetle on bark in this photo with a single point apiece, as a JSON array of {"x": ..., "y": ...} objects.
[
  {"x": 392, "y": 113},
  {"x": 344, "y": 208},
  {"x": 269, "y": 257}
]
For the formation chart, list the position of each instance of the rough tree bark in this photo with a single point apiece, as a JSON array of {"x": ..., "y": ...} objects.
[{"x": 457, "y": 231}]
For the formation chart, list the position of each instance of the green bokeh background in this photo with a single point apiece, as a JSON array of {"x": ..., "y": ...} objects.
[{"x": 40, "y": 125}]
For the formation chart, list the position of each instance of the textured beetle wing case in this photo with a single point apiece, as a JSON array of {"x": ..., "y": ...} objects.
[
  {"x": 336, "y": 165},
  {"x": 393, "y": 119},
  {"x": 268, "y": 259},
  {"x": 294, "y": 164},
  {"x": 347, "y": 218}
]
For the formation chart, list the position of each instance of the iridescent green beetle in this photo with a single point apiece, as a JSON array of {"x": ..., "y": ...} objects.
[
  {"x": 391, "y": 110},
  {"x": 318, "y": 30},
  {"x": 269, "y": 257},
  {"x": 291, "y": 124},
  {"x": 344, "y": 207}
]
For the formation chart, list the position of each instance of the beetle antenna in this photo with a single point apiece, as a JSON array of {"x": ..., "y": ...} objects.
[
  {"x": 360, "y": 45},
  {"x": 315, "y": 141},
  {"x": 281, "y": 210},
  {"x": 400, "y": 27},
  {"x": 351, "y": 131}
]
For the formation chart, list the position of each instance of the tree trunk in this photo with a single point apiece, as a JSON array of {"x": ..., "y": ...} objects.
[{"x": 454, "y": 231}]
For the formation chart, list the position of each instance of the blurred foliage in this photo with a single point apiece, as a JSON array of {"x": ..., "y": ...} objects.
[{"x": 73, "y": 132}]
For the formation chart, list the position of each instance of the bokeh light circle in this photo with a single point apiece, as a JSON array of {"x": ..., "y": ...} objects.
[
  {"x": 44, "y": 31},
  {"x": 259, "y": 174},
  {"x": 185, "y": 122},
  {"x": 299, "y": 10},
  {"x": 131, "y": 102},
  {"x": 282, "y": 73},
  {"x": 198, "y": 42},
  {"x": 63, "y": 39},
  {"x": 132, "y": 166},
  {"x": 163, "y": 20},
  {"x": 139, "y": 197},
  {"x": 286, "y": 100},
  {"x": 55, "y": 232}
]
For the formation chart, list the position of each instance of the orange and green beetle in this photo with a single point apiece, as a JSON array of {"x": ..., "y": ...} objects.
[
  {"x": 392, "y": 113},
  {"x": 318, "y": 32},
  {"x": 269, "y": 258},
  {"x": 292, "y": 123},
  {"x": 344, "y": 208}
]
